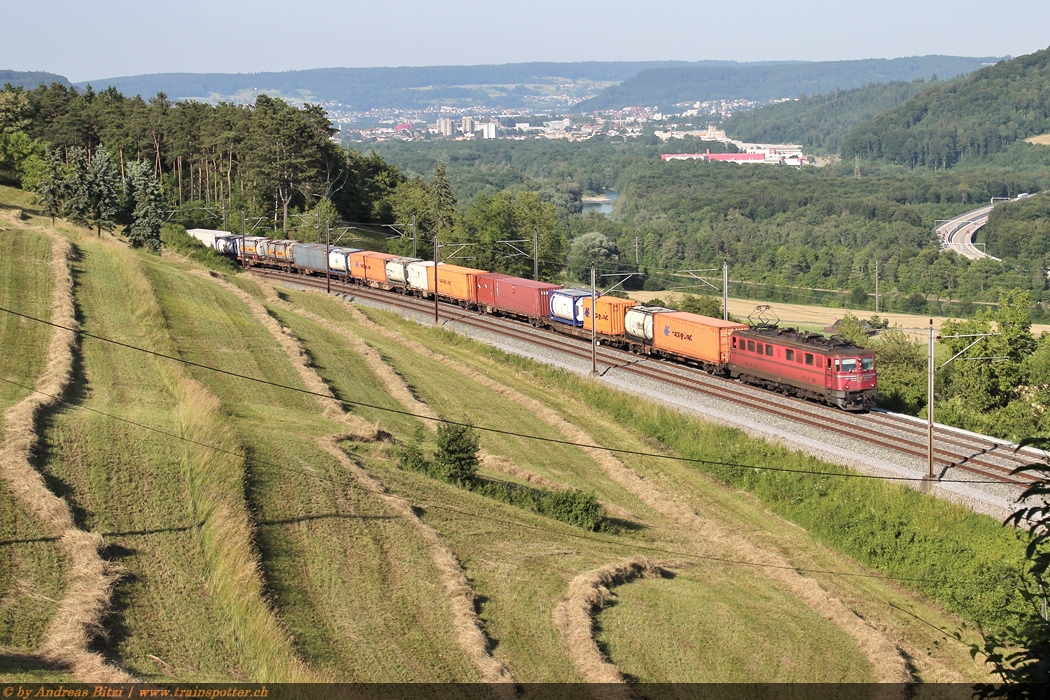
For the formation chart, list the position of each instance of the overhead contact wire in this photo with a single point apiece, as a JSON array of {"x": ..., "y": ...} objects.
[
  {"x": 497, "y": 431},
  {"x": 480, "y": 516}
]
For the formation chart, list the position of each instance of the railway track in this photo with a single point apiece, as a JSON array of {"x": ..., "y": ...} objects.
[{"x": 974, "y": 455}]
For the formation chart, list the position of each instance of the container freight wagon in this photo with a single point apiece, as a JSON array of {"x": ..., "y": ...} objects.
[
  {"x": 251, "y": 246},
  {"x": 609, "y": 314},
  {"x": 457, "y": 283},
  {"x": 565, "y": 306},
  {"x": 227, "y": 244},
  {"x": 694, "y": 339},
  {"x": 486, "y": 290},
  {"x": 311, "y": 257},
  {"x": 206, "y": 236},
  {"x": 369, "y": 266},
  {"x": 339, "y": 260},
  {"x": 639, "y": 324},
  {"x": 282, "y": 251},
  {"x": 397, "y": 272},
  {"x": 419, "y": 277},
  {"x": 529, "y": 299}
]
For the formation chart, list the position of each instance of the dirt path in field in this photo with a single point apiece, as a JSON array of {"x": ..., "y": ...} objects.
[
  {"x": 586, "y": 595},
  {"x": 293, "y": 349},
  {"x": 398, "y": 388},
  {"x": 886, "y": 660},
  {"x": 469, "y": 630},
  {"x": 89, "y": 578},
  {"x": 468, "y": 627}
]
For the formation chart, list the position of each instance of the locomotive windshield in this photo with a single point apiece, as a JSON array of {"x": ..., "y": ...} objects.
[
  {"x": 867, "y": 363},
  {"x": 849, "y": 364}
]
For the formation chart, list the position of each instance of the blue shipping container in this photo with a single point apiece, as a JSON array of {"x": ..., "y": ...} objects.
[{"x": 564, "y": 308}]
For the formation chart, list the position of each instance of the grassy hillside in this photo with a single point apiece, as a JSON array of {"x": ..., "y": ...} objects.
[
  {"x": 265, "y": 533},
  {"x": 819, "y": 122},
  {"x": 31, "y": 564},
  {"x": 970, "y": 119}
]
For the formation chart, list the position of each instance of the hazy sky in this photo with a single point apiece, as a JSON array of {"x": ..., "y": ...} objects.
[{"x": 87, "y": 39}]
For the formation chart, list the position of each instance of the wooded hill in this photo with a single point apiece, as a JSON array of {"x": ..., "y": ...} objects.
[
  {"x": 969, "y": 119},
  {"x": 401, "y": 87},
  {"x": 820, "y": 122},
  {"x": 671, "y": 86},
  {"x": 30, "y": 79}
]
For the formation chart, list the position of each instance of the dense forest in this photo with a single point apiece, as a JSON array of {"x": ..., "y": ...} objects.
[
  {"x": 560, "y": 171},
  {"x": 820, "y": 122},
  {"x": 792, "y": 232},
  {"x": 970, "y": 119},
  {"x": 269, "y": 159},
  {"x": 666, "y": 87},
  {"x": 92, "y": 157}
]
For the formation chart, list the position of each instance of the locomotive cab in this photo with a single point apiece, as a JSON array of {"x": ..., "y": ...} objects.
[{"x": 852, "y": 383}]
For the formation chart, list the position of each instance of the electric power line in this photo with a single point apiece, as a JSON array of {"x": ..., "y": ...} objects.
[
  {"x": 488, "y": 429},
  {"x": 480, "y": 516}
]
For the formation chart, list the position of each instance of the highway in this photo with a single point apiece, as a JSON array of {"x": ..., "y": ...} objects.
[{"x": 957, "y": 234}]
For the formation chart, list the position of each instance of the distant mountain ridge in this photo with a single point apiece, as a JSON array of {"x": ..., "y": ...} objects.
[
  {"x": 667, "y": 87},
  {"x": 369, "y": 88},
  {"x": 969, "y": 119},
  {"x": 30, "y": 79}
]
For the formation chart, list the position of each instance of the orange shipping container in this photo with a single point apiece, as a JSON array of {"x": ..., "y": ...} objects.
[
  {"x": 455, "y": 282},
  {"x": 694, "y": 336},
  {"x": 610, "y": 313},
  {"x": 370, "y": 265}
]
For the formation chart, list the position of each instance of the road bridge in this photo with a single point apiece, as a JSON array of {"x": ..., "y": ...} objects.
[{"x": 957, "y": 234}]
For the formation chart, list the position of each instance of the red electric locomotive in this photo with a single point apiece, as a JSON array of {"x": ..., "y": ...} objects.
[{"x": 806, "y": 365}]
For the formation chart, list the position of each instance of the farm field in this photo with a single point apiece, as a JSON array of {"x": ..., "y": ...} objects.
[
  {"x": 818, "y": 317},
  {"x": 264, "y": 531}
]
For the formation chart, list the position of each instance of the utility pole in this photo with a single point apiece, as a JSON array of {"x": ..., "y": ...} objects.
[
  {"x": 929, "y": 406},
  {"x": 856, "y": 166},
  {"x": 319, "y": 221},
  {"x": 244, "y": 255},
  {"x": 636, "y": 251},
  {"x": 536, "y": 253},
  {"x": 594, "y": 326},
  {"x": 327, "y": 254},
  {"x": 876, "y": 286},
  {"x": 413, "y": 235},
  {"x": 929, "y": 401},
  {"x": 436, "y": 320},
  {"x": 725, "y": 289}
]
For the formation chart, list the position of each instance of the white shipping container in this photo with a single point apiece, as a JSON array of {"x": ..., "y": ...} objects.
[
  {"x": 563, "y": 307},
  {"x": 638, "y": 323},
  {"x": 418, "y": 278},
  {"x": 339, "y": 259},
  {"x": 252, "y": 243},
  {"x": 397, "y": 269},
  {"x": 227, "y": 245},
  {"x": 206, "y": 235}
]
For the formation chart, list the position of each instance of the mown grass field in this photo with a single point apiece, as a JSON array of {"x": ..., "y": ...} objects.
[
  {"x": 250, "y": 553},
  {"x": 31, "y": 565}
]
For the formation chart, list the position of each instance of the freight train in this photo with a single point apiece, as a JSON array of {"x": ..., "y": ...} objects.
[{"x": 792, "y": 362}]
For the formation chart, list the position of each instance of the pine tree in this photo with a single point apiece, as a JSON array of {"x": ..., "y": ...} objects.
[
  {"x": 76, "y": 200},
  {"x": 444, "y": 200},
  {"x": 52, "y": 189},
  {"x": 100, "y": 186},
  {"x": 143, "y": 195}
]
